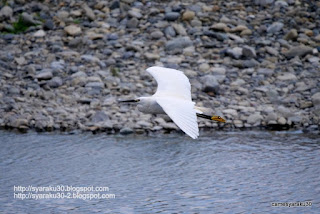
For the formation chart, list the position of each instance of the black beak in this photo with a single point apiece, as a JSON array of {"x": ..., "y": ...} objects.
[{"x": 129, "y": 101}]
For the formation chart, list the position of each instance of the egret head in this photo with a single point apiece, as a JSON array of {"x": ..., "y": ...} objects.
[{"x": 218, "y": 118}]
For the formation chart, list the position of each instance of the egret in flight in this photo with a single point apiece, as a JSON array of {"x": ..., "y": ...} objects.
[{"x": 173, "y": 97}]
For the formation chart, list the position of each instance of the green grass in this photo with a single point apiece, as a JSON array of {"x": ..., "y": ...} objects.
[
  {"x": 76, "y": 21},
  {"x": 19, "y": 26},
  {"x": 114, "y": 71}
]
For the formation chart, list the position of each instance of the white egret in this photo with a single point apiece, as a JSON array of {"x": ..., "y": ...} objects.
[{"x": 173, "y": 97}]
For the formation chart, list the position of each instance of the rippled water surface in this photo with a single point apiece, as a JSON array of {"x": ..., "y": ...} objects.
[{"x": 224, "y": 172}]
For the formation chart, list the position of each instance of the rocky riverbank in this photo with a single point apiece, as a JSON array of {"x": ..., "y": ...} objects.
[{"x": 64, "y": 64}]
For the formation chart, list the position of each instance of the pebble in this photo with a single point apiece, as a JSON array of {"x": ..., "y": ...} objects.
[
  {"x": 89, "y": 12},
  {"x": 298, "y": 51},
  {"x": 99, "y": 116},
  {"x": 73, "y": 30},
  {"x": 28, "y": 19},
  {"x": 287, "y": 77},
  {"x": 55, "y": 82},
  {"x": 48, "y": 25},
  {"x": 44, "y": 75},
  {"x": 254, "y": 119},
  {"x": 156, "y": 34},
  {"x": 152, "y": 56},
  {"x": 133, "y": 23},
  {"x": 135, "y": 12},
  {"x": 254, "y": 64},
  {"x": 188, "y": 15},
  {"x": 6, "y": 12},
  {"x": 316, "y": 99},
  {"x": 220, "y": 27},
  {"x": 235, "y": 52},
  {"x": 210, "y": 84},
  {"x": 178, "y": 43},
  {"x": 172, "y": 16},
  {"x": 126, "y": 131},
  {"x": 39, "y": 33},
  {"x": 204, "y": 67},
  {"x": 275, "y": 27},
  {"x": 291, "y": 35},
  {"x": 249, "y": 52}
]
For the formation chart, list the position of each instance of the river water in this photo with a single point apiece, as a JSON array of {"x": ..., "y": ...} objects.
[{"x": 221, "y": 172}]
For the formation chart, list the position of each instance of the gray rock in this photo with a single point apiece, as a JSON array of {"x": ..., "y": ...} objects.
[
  {"x": 19, "y": 122},
  {"x": 282, "y": 121},
  {"x": 6, "y": 13},
  {"x": 45, "y": 74},
  {"x": 172, "y": 16},
  {"x": 210, "y": 84},
  {"x": 251, "y": 63},
  {"x": 109, "y": 101},
  {"x": 287, "y": 77},
  {"x": 28, "y": 19},
  {"x": 220, "y": 27},
  {"x": 298, "y": 51},
  {"x": 234, "y": 52},
  {"x": 113, "y": 36},
  {"x": 144, "y": 124},
  {"x": 316, "y": 99},
  {"x": 73, "y": 30},
  {"x": 63, "y": 15},
  {"x": 95, "y": 85},
  {"x": 114, "y": 4},
  {"x": 90, "y": 58},
  {"x": 249, "y": 52},
  {"x": 305, "y": 104},
  {"x": 39, "y": 33},
  {"x": 99, "y": 116},
  {"x": 156, "y": 34},
  {"x": 238, "y": 82},
  {"x": 231, "y": 112},
  {"x": 170, "y": 32},
  {"x": 314, "y": 60},
  {"x": 79, "y": 74},
  {"x": 180, "y": 29},
  {"x": 291, "y": 35},
  {"x": 135, "y": 12},
  {"x": 254, "y": 119},
  {"x": 265, "y": 71},
  {"x": 48, "y": 24},
  {"x": 133, "y": 23},
  {"x": 263, "y": 2},
  {"x": 126, "y": 131},
  {"x": 58, "y": 65},
  {"x": 55, "y": 82},
  {"x": 179, "y": 43},
  {"x": 281, "y": 3},
  {"x": 272, "y": 51},
  {"x": 218, "y": 71},
  {"x": 275, "y": 27},
  {"x": 204, "y": 67},
  {"x": 271, "y": 117},
  {"x": 285, "y": 112},
  {"x": 88, "y": 11},
  {"x": 188, "y": 15},
  {"x": 152, "y": 56},
  {"x": 196, "y": 23},
  {"x": 43, "y": 123}
]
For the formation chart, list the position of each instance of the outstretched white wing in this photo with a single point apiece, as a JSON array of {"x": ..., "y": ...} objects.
[
  {"x": 182, "y": 113},
  {"x": 171, "y": 83}
]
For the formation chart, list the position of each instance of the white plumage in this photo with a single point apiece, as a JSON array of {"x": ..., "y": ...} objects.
[{"x": 173, "y": 95}]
